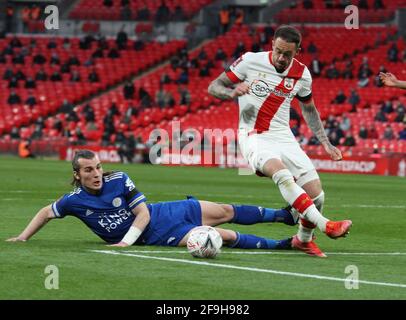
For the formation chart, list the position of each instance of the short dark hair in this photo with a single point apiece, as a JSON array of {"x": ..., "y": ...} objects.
[{"x": 289, "y": 34}]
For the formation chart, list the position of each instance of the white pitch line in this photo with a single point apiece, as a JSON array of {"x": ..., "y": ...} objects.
[
  {"x": 276, "y": 252},
  {"x": 227, "y": 266}
]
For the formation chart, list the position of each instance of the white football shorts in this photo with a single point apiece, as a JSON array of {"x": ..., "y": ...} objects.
[{"x": 257, "y": 149}]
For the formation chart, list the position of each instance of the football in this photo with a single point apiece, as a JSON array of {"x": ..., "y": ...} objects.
[{"x": 204, "y": 242}]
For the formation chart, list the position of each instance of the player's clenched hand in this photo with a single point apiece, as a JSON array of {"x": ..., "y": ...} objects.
[
  {"x": 388, "y": 79},
  {"x": 15, "y": 239},
  {"x": 120, "y": 244},
  {"x": 333, "y": 152},
  {"x": 240, "y": 90}
]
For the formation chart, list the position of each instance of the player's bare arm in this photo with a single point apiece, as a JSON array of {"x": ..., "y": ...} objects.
[
  {"x": 40, "y": 219},
  {"x": 222, "y": 88},
  {"x": 312, "y": 118},
  {"x": 142, "y": 218},
  {"x": 390, "y": 80}
]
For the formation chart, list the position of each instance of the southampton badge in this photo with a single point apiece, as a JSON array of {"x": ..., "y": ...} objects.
[
  {"x": 117, "y": 202},
  {"x": 289, "y": 83}
]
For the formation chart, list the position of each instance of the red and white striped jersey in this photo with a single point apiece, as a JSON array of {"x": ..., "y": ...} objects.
[{"x": 267, "y": 106}]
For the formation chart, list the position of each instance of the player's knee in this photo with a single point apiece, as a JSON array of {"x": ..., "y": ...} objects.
[
  {"x": 283, "y": 178},
  {"x": 227, "y": 213},
  {"x": 319, "y": 201}
]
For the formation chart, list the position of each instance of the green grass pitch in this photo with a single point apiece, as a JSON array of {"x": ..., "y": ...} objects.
[{"x": 376, "y": 245}]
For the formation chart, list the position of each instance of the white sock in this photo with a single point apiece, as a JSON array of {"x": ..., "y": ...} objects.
[
  {"x": 305, "y": 234},
  {"x": 314, "y": 216}
]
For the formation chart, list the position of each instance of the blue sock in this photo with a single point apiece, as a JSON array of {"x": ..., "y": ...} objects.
[
  {"x": 249, "y": 241},
  {"x": 253, "y": 214},
  {"x": 247, "y": 214}
]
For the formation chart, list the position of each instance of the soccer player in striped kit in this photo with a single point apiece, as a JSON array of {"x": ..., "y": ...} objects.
[{"x": 265, "y": 83}]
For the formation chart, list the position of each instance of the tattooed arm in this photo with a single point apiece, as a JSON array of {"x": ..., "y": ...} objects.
[
  {"x": 220, "y": 88},
  {"x": 312, "y": 118}
]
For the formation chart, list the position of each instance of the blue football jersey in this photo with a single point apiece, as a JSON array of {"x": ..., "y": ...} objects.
[{"x": 108, "y": 214}]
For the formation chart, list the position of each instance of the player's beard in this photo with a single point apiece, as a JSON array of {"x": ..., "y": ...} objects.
[{"x": 280, "y": 69}]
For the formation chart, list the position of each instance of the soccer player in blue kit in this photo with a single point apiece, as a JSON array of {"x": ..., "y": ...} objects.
[{"x": 115, "y": 210}]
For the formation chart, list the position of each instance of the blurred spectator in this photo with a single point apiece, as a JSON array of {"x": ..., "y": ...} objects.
[
  {"x": 24, "y": 149},
  {"x": 18, "y": 59},
  {"x": 165, "y": 79},
  {"x": 66, "y": 43},
  {"x": 113, "y": 53},
  {"x": 402, "y": 133},
  {"x": 349, "y": 140},
  {"x": 378, "y": 4},
  {"x": 313, "y": 141},
  {"x": 126, "y": 13},
  {"x": 308, "y": 4},
  {"x": 179, "y": 14},
  {"x": 163, "y": 13},
  {"x": 145, "y": 98},
  {"x": 39, "y": 59},
  {"x": 312, "y": 48},
  {"x": 329, "y": 4},
  {"x": 183, "y": 77},
  {"x": 15, "y": 42},
  {"x": 88, "y": 112},
  {"x": 334, "y": 139},
  {"x": 143, "y": 13},
  {"x": 121, "y": 39},
  {"x": 108, "y": 3},
  {"x": 13, "y": 98},
  {"x": 378, "y": 82},
  {"x": 9, "y": 18},
  {"x": 73, "y": 61},
  {"x": 220, "y": 55},
  {"x": 37, "y": 133},
  {"x": 363, "y": 132},
  {"x": 332, "y": 71},
  {"x": 55, "y": 58},
  {"x": 15, "y": 133},
  {"x": 400, "y": 113},
  {"x": 388, "y": 133},
  {"x": 387, "y": 107},
  {"x": 79, "y": 137},
  {"x": 340, "y": 97},
  {"x": 224, "y": 16},
  {"x": 138, "y": 44},
  {"x": 354, "y": 100},
  {"x": 41, "y": 75},
  {"x": 65, "y": 68},
  {"x": 380, "y": 116},
  {"x": 161, "y": 97},
  {"x": 31, "y": 101},
  {"x": 13, "y": 83},
  {"x": 58, "y": 126},
  {"x": 66, "y": 107},
  {"x": 72, "y": 116},
  {"x": 345, "y": 123},
  {"x": 239, "y": 17},
  {"x": 393, "y": 53},
  {"x": 3, "y": 59},
  {"x": 30, "y": 83},
  {"x": 20, "y": 75},
  {"x": 128, "y": 90},
  {"x": 129, "y": 114},
  {"x": 363, "y": 4},
  {"x": 185, "y": 96},
  {"x": 56, "y": 76},
  {"x": 52, "y": 44},
  {"x": 316, "y": 66},
  {"x": 75, "y": 76},
  {"x": 239, "y": 50},
  {"x": 98, "y": 53},
  {"x": 93, "y": 76},
  {"x": 363, "y": 79},
  {"x": 8, "y": 74}
]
